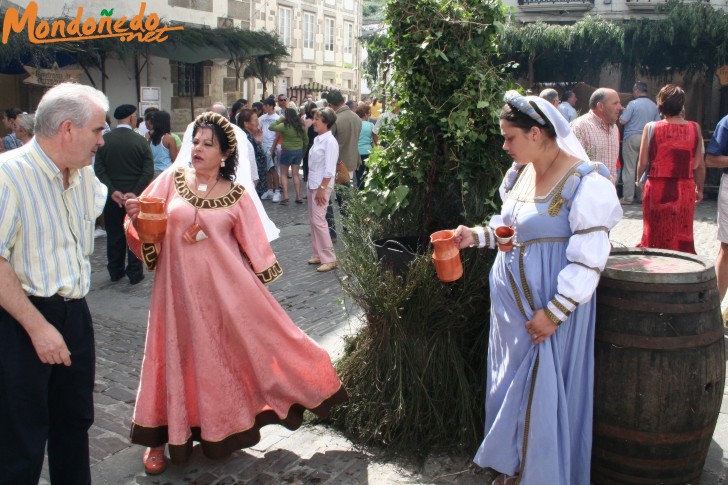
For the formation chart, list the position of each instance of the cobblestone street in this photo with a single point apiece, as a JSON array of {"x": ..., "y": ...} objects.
[{"x": 313, "y": 454}]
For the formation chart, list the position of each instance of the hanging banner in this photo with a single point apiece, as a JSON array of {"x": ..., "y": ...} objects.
[{"x": 51, "y": 77}]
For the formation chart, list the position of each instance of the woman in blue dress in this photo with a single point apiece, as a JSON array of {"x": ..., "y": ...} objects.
[{"x": 539, "y": 385}]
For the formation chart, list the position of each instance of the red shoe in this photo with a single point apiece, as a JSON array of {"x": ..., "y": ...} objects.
[{"x": 154, "y": 461}]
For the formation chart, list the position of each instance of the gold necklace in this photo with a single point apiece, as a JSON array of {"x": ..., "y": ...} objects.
[
  {"x": 520, "y": 199},
  {"x": 549, "y": 167}
]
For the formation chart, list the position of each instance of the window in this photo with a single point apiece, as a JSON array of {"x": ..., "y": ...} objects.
[
  {"x": 189, "y": 79},
  {"x": 284, "y": 25},
  {"x": 329, "y": 35},
  {"x": 331, "y": 2},
  {"x": 348, "y": 37},
  {"x": 349, "y": 4},
  {"x": 308, "y": 30}
]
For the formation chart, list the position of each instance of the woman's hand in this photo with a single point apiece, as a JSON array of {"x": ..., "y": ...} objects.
[
  {"x": 540, "y": 327},
  {"x": 320, "y": 197},
  {"x": 132, "y": 208},
  {"x": 464, "y": 237},
  {"x": 698, "y": 195}
]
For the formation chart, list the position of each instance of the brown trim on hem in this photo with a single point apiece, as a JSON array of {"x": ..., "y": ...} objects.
[{"x": 180, "y": 453}]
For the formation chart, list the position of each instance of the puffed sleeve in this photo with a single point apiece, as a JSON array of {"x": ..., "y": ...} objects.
[
  {"x": 594, "y": 210},
  {"x": 253, "y": 241}
]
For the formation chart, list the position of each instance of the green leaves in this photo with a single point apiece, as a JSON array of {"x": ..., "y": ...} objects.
[
  {"x": 439, "y": 54},
  {"x": 689, "y": 37}
]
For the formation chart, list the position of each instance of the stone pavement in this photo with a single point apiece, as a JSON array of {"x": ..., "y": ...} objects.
[{"x": 313, "y": 454}]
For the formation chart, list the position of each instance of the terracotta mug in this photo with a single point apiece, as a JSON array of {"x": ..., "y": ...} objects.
[
  {"x": 151, "y": 223},
  {"x": 446, "y": 256},
  {"x": 504, "y": 237}
]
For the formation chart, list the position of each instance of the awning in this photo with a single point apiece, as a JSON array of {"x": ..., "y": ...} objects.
[
  {"x": 193, "y": 54},
  {"x": 315, "y": 87}
]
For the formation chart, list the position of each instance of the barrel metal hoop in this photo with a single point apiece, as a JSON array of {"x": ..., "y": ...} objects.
[
  {"x": 620, "y": 478},
  {"x": 651, "y": 464},
  {"x": 657, "y": 306},
  {"x": 652, "y": 438},
  {"x": 679, "y": 342},
  {"x": 658, "y": 287}
]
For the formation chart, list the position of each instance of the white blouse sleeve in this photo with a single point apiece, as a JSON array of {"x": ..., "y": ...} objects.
[
  {"x": 332, "y": 157},
  {"x": 595, "y": 210}
]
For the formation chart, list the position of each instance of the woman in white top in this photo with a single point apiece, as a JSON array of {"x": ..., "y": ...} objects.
[{"x": 322, "y": 160}]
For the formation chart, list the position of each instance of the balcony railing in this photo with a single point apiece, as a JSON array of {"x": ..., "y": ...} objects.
[
  {"x": 546, "y": 5},
  {"x": 651, "y": 4}
]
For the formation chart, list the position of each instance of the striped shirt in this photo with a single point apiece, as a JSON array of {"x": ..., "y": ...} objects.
[
  {"x": 46, "y": 231},
  {"x": 599, "y": 139}
]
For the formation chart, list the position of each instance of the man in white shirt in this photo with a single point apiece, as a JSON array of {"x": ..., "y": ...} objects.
[
  {"x": 567, "y": 107},
  {"x": 49, "y": 199},
  {"x": 269, "y": 141},
  {"x": 640, "y": 111}
]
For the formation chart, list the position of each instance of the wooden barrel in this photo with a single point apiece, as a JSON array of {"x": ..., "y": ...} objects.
[{"x": 659, "y": 367}]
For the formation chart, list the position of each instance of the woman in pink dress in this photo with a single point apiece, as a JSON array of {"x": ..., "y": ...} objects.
[
  {"x": 672, "y": 156},
  {"x": 222, "y": 358}
]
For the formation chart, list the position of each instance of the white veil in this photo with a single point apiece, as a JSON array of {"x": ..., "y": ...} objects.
[{"x": 564, "y": 136}]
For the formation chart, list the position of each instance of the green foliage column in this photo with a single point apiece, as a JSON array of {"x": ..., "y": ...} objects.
[
  {"x": 445, "y": 157},
  {"x": 415, "y": 372}
]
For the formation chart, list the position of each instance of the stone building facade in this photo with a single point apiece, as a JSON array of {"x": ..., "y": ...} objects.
[{"x": 321, "y": 36}]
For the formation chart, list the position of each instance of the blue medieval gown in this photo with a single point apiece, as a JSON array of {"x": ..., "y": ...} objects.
[{"x": 539, "y": 398}]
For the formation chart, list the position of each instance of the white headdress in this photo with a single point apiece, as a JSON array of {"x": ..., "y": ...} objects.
[{"x": 565, "y": 138}]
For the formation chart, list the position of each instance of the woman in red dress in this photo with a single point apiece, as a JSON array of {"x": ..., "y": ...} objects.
[{"x": 672, "y": 155}]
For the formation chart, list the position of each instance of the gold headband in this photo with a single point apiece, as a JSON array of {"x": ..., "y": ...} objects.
[{"x": 210, "y": 117}]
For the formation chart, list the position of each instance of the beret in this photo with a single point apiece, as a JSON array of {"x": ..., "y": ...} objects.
[{"x": 124, "y": 111}]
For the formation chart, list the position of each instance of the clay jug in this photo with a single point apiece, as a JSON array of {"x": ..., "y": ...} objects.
[
  {"x": 151, "y": 223},
  {"x": 448, "y": 265}
]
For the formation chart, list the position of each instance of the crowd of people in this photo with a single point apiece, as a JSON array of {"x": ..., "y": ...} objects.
[
  {"x": 211, "y": 372},
  {"x": 657, "y": 156}
]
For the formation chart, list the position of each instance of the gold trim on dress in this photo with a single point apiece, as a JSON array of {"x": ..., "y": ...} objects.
[
  {"x": 270, "y": 274},
  {"x": 596, "y": 270},
  {"x": 527, "y": 424},
  {"x": 573, "y": 302},
  {"x": 553, "y": 317},
  {"x": 559, "y": 184},
  {"x": 561, "y": 307},
  {"x": 541, "y": 240},
  {"x": 516, "y": 294},
  {"x": 592, "y": 229},
  {"x": 524, "y": 282},
  {"x": 184, "y": 191}
]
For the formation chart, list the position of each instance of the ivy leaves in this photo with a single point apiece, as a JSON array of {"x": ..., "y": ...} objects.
[
  {"x": 438, "y": 57},
  {"x": 690, "y": 37}
]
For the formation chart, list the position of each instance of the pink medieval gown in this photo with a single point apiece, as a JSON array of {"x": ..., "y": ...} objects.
[
  {"x": 222, "y": 358},
  {"x": 668, "y": 202}
]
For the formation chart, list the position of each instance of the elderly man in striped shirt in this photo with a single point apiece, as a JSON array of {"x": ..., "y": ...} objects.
[
  {"x": 597, "y": 130},
  {"x": 49, "y": 200}
]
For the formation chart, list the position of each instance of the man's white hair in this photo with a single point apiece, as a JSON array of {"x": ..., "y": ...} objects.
[{"x": 67, "y": 101}]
